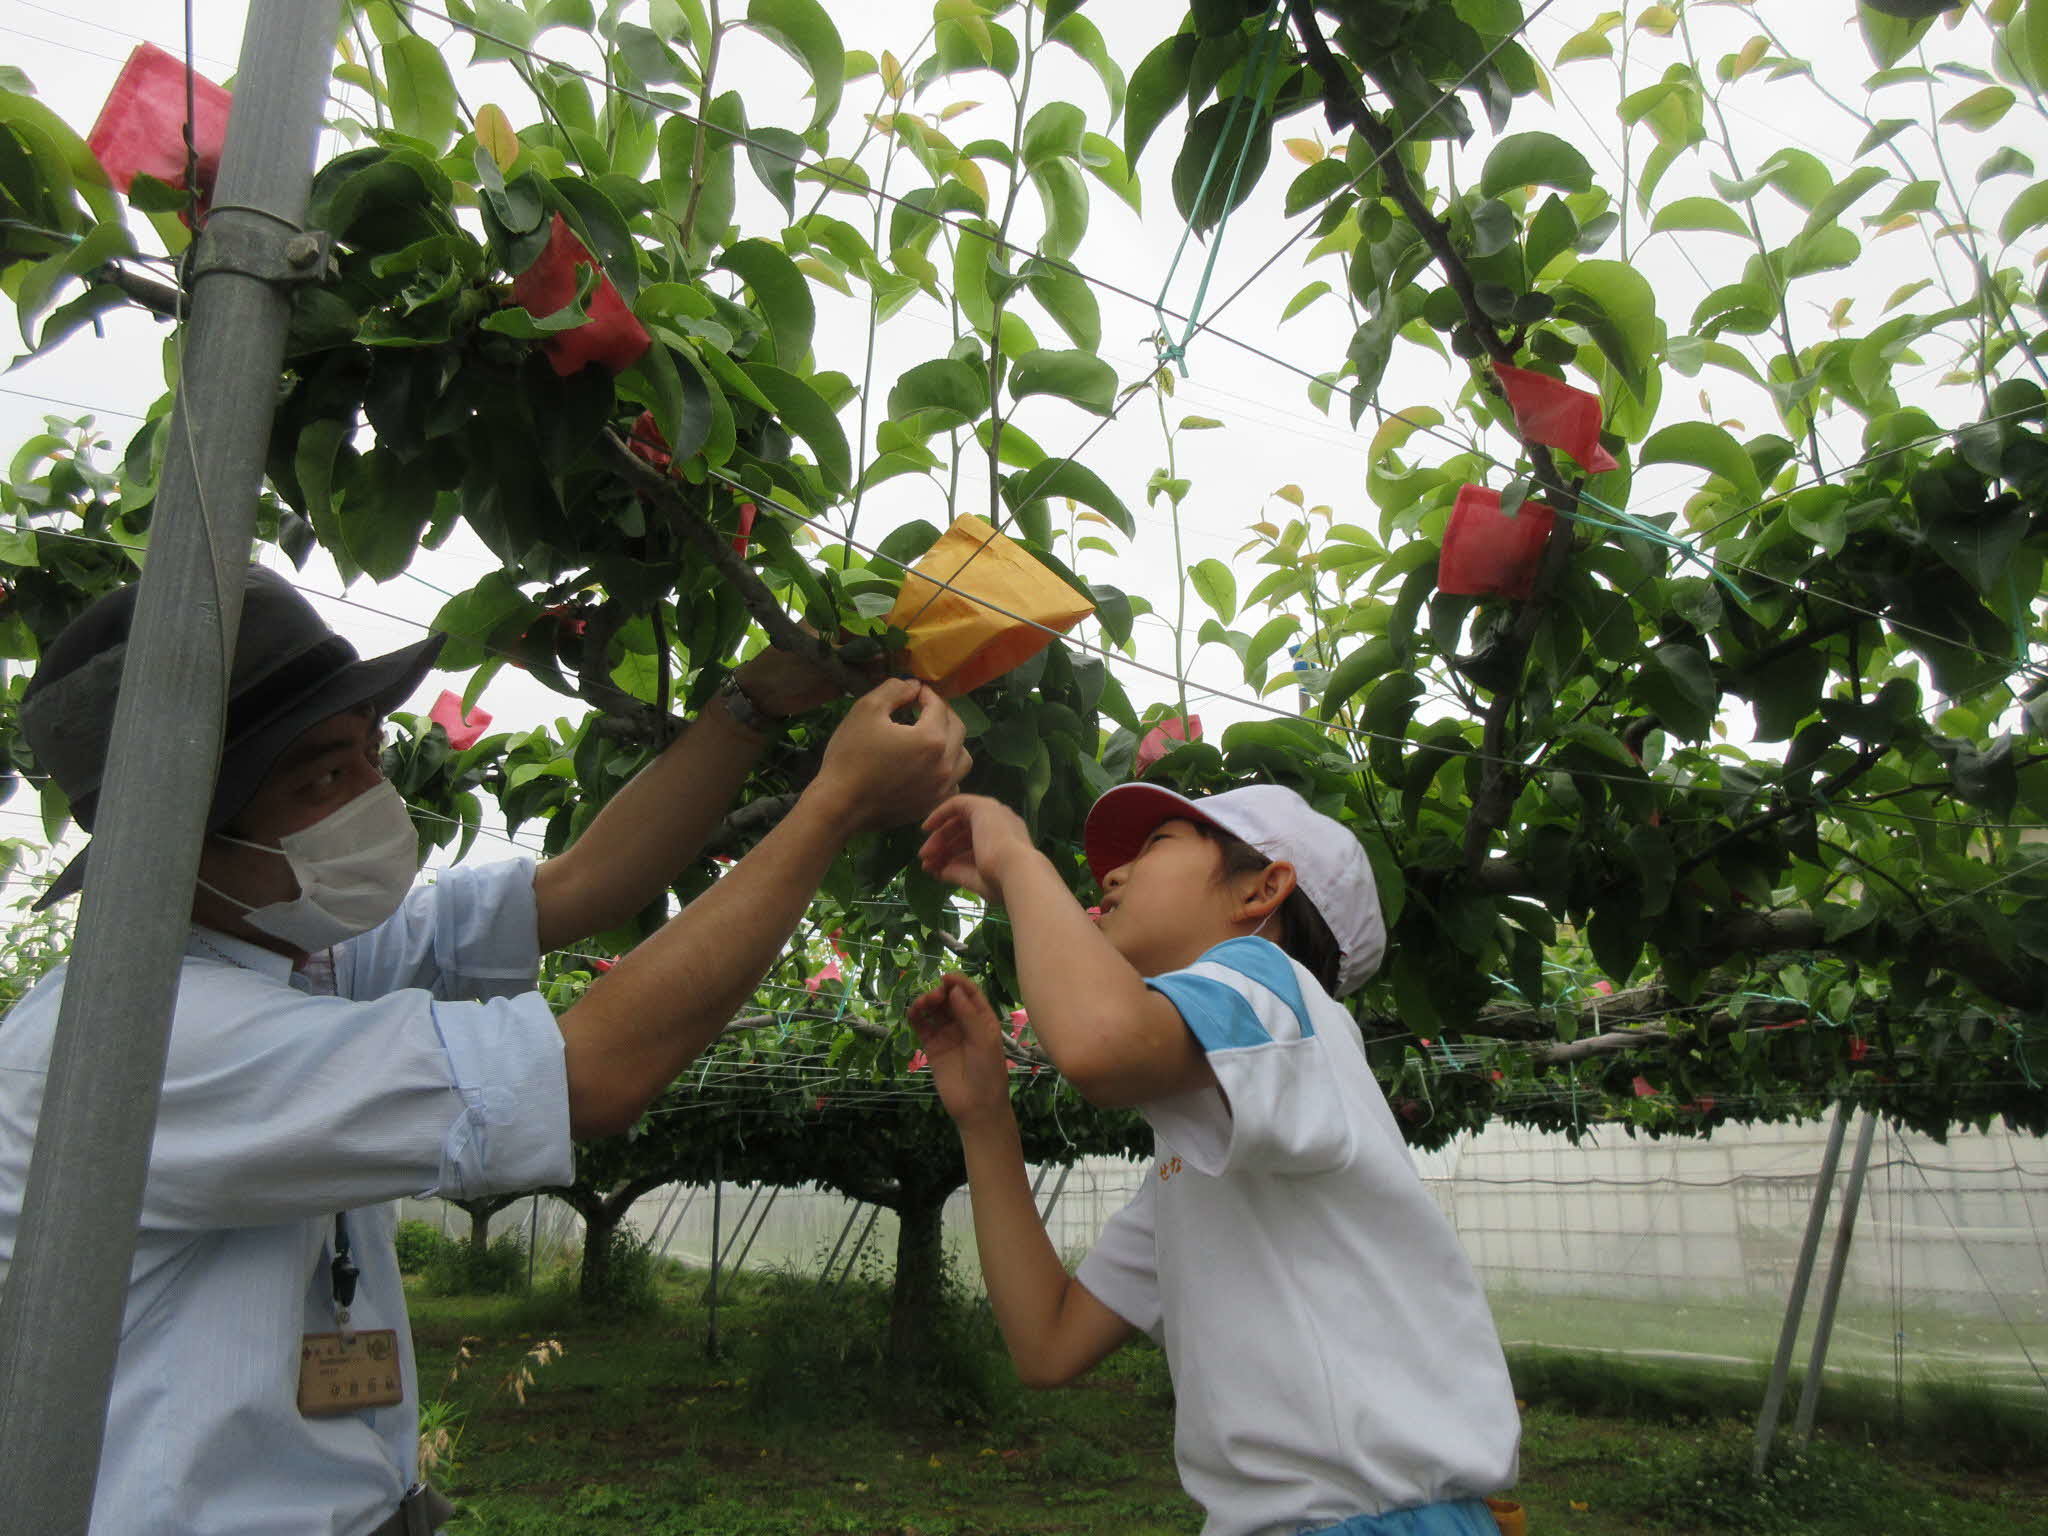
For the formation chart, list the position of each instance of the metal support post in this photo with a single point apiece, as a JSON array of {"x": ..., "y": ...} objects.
[
  {"x": 1831, "y": 1288},
  {"x": 760, "y": 1221},
  {"x": 66, "y": 1294},
  {"x": 532, "y": 1236},
  {"x": 874, "y": 1215},
  {"x": 1795, "y": 1304},
  {"x": 739, "y": 1229},
  {"x": 1045, "y": 1216},
  {"x": 844, "y": 1232},
  {"x": 717, "y": 1213}
]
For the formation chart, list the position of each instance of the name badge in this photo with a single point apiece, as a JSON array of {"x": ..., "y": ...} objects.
[{"x": 344, "y": 1372}]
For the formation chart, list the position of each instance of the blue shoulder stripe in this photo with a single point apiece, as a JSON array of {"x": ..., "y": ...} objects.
[
  {"x": 1215, "y": 1012},
  {"x": 1224, "y": 1016},
  {"x": 1266, "y": 963}
]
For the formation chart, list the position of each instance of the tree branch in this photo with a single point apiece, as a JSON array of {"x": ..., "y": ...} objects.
[{"x": 784, "y": 631}]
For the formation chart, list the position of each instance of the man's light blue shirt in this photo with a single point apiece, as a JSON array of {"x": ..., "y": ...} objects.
[{"x": 434, "y": 1067}]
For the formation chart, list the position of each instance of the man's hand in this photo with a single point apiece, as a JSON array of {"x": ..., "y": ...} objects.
[
  {"x": 887, "y": 773},
  {"x": 971, "y": 836},
  {"x": 964, "y": 1042}
]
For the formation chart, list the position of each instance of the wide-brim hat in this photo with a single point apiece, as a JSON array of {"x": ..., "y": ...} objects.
[
  {"x": 290, "y": 672},
  {"x": 1330, "y": 866}
]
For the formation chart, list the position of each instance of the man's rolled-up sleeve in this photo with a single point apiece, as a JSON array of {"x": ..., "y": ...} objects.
[
  {"x": 508, "y": 1070},
  {"x": 278, "y": 1106}
]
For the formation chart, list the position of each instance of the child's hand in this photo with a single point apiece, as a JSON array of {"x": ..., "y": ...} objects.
[
  {"x": 970, "y": 836},
  {"x": 964, "y": 1044}
]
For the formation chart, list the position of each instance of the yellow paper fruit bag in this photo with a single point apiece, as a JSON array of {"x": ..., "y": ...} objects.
[{"x": 989, "y": 622}]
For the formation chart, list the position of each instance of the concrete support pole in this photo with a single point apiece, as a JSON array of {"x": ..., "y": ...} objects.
[
  {"x": 61, "y": 1315},
  {"x": 1831, "y": 1288},
  {"x": 1795, "y": 1304}
]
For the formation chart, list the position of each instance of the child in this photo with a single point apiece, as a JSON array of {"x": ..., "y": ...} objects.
[{"x": 1334, "y": 1365}]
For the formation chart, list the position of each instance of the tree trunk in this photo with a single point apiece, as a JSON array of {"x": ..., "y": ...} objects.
[
  {"x": 920, "y": 1268},
  {"x": 479, "y": 1230},
  {"x": 600, "y": 1222}
]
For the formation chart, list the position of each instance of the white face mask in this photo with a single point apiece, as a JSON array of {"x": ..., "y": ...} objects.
[{"x": 353, "y": 866}]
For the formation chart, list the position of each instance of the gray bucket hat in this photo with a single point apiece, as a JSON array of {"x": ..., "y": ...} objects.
[{"x": 291, "y": 672}]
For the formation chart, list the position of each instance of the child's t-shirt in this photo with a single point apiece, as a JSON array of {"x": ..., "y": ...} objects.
[{"x": 1331, "y": 1350}]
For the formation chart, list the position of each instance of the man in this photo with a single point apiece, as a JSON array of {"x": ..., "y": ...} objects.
[{"x": 342, "y": 1039}]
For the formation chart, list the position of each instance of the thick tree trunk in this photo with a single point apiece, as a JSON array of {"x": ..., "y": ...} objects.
[
  {"x": 479, "y": 1231},
  {"x": 599, "y": 1225},
  {"x": 920, "y": 1272}
]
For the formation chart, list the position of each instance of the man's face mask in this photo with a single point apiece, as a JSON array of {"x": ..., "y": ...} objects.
[{"x": 353, "y": 866}]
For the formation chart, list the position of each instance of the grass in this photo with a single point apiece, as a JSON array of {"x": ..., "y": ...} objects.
[{"x": 796, "y": 1426}]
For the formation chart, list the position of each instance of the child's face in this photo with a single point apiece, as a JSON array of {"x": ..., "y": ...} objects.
[{"x": 1170, "y": 903}]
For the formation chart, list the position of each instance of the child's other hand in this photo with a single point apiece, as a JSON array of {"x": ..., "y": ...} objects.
[
  {"x": 964, "y": 1044},
  {"x": 970, "y": 835}
]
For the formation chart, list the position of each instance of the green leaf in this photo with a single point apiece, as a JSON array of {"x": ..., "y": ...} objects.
[
  {"x": 1883, "y": 133},
  {"x": 1081, "y": 35},
  {"x": 1979, "y": 546},
  {"x": 1212, "y": 580},
  {"x": 1081, "y": 377},
  {"x": 1371, "y": 660},
  {"x": 1889, "y": 38},
  {"x": 802, "y": 29},
  {"x": 804, "y": 411},
  {"x": 2032, "y": 24},
  {"x": 2028, "y": 210},
  {"x": 1229, "y": 150},
  {"x": 1534, "y": 159},
  {"x": 973, "y": 251},
  {"x": 1708, "y": 213},
  {"x": 1271, "y": 636},
  {"x": 2004, "y": 162},
  {"x": 1317, "y": 184},
  {"x": 775, "y": 154},
  {"x": 1844, "y": 196},
  {"x": 1063, "y": 194},
  {"x": 782, "y": 295},
  {"x": 1054, "y": 133},
  {"x": 420, "y": 91},
  {"x": 946, "y": 391},
  {"x": 1070, "y": 299},
  {"x": 1108, "y": 164},
  {"x": 1063, "y": 477},
  {"x": 470, "y": 618},
  {"x": 1303, "y": 299},
  {"x": 1705, "y": 446},
  {"x": 1158, "y": 85},
  {"x": 1982, "y": 109},
  {"x": 1622, "y": 316},
  {"x": 1677, "y": 683}
]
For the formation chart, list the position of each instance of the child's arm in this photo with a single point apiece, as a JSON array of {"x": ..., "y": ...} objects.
[
  {"x": 1053, "y": 1325},
  {"x": 1116, "y": 1040}
]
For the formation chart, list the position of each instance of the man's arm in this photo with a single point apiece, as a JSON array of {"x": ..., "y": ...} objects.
[
  {"x": 1053, "y": 1325},
  {"x": 663, "y": 817},
  {"x": 647, "y": 1018}
]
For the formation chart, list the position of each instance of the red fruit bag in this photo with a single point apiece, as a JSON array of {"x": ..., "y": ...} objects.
[
  {"x": 141, "y": 128},
  {"x": 611, "y": 337},
  {"x": 1161, "y": 738},
  {"x": 1488, "y": 553},
  {"x": 1554, "y": 413}
]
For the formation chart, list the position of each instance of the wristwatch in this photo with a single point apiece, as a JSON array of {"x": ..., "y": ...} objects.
[{"x": 743, "y": 711}]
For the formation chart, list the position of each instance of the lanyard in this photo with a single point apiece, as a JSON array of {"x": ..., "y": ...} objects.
[{"x": 342, "y": 1272}]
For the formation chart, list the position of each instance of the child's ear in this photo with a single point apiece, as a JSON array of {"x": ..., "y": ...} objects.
[{"x": 1272, "y": 886}]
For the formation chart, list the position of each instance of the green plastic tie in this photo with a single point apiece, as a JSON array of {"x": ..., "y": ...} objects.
[
  {"x": 1265, "y": 54},
  {"x": 1628, "y": 522}
]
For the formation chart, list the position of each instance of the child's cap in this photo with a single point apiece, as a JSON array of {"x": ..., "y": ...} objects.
[{"x": 1330, "y": 865}]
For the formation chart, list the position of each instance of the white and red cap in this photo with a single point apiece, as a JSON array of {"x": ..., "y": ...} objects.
[{"x": 1330, "y": 865}]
